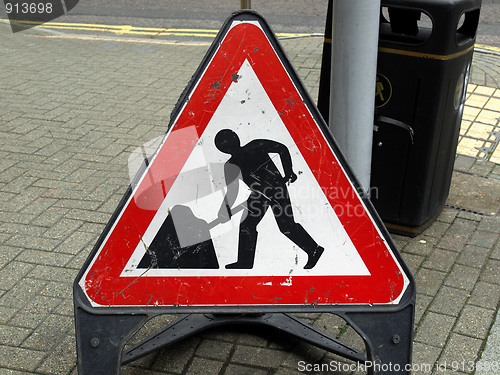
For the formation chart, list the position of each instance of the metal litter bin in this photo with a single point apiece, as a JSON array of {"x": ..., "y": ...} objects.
[{"x": 425, "y": 53}]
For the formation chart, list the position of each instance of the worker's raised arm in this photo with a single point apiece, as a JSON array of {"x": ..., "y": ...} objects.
[{"x": 286, "y": 160}]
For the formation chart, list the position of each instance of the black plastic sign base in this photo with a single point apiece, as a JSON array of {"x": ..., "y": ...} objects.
[{"x": 387, "y": 334}]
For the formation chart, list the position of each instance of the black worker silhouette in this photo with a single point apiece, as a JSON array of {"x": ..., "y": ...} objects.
[{"x": 268, "y": 189}]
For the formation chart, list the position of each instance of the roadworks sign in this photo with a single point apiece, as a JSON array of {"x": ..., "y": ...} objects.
[{"x": 247, "y": 201}]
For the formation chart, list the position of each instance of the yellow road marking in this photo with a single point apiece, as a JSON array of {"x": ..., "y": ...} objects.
[
  {"x": 489, "y": 48},
  {"x": 128, "y": 29}
]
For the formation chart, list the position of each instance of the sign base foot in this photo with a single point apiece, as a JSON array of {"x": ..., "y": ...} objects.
[{"x": 100, "y": 340}]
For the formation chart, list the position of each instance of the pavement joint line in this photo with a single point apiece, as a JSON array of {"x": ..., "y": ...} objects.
[{"x": 479, "y": 139}]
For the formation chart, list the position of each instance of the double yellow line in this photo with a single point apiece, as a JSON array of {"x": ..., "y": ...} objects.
[
  {"x": 132, "y": 30},
  {"x": 121, "y": 29}
]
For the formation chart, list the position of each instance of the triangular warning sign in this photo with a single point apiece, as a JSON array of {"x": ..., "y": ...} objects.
[{"x": 247, "y": 200}]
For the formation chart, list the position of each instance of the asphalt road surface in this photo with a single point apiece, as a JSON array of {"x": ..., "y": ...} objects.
[
  {"x": 292, "y": 16},
  {"x": 299, "y": 16},
  {"x": 489, "y": 23}
]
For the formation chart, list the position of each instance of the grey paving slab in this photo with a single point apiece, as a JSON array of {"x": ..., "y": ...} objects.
[
  {"x": 460, "y": 350},
  {"x": 474, "y": 321},
  {"x": 462, "y": 277},
  {"x": 434, "y": 329}
]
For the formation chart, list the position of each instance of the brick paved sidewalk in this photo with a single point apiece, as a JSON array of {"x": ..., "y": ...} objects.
[{"x": 71, "y": 112}]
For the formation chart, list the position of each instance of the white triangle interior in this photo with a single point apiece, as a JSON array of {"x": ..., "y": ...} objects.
[{"x": 247, "y": 110}]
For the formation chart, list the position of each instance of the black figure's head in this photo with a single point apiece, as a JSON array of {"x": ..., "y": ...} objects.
[{"x": 227, "y": 141}]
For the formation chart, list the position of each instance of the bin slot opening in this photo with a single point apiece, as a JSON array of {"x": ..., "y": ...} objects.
[
  {"x": 406, "y": 25},
  {"x": 467, "y": 26}
]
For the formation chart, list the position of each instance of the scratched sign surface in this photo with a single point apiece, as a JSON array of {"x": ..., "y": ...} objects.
[{"x": 246, "y": 201}]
